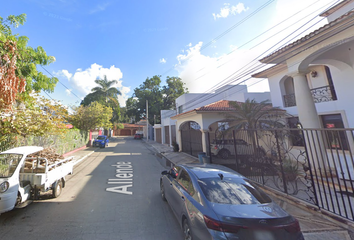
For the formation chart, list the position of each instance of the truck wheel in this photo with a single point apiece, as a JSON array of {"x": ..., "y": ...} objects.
[
  {"x": 57, "y": 188},
  {"x": 224, "y": 154}
]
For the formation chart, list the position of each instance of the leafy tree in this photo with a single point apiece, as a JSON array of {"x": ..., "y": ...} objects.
[
  {"x": 92, "y": 116},
  {"x": 124, "y": 118},
  {"x": 159, "y": 98},
  {"x": 174, "y": 89},
  {"x": 131, "y": 109},
  {"x": 18, "y": 62}
]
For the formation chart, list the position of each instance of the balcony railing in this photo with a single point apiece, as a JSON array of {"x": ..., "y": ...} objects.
[{"x": 321, "y": 94}]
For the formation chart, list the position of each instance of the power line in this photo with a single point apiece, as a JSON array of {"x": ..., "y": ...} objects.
[
  {"x": 260, "y": 65},
  {"x": 61, "y": 83},
  {"x": 228, "y": 30},
  {"x": 257, "y": 67}
]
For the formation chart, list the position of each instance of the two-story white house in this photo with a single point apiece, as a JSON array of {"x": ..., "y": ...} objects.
[{"x": 313, "y": 79}]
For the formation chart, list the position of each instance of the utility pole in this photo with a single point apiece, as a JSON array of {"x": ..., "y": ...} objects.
[{"x": 147, "y": 120}]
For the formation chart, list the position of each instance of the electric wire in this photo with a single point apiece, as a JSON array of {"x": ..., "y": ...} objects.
[
  {"x": 227, "y": 31},
  {"x": 256, "y": 58},
  {"x": 232, "y": 80},
  {"x": 350, "y": 24}
]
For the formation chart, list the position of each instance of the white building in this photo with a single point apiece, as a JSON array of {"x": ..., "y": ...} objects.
[
  {"x": 169, "y": 130},
  {"x": 313, "y": 77}
]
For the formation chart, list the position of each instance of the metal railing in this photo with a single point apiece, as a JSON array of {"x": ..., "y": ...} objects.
[
  {"x": 321, "y": 94},
  {"x": 319, "y": 171}
]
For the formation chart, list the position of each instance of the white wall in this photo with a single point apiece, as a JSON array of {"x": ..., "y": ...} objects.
[{"x": 239, "y": 93}]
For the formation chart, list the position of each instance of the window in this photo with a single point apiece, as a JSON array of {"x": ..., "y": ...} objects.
[
  {"x": 180, "y": 109},
  {"x": 335, "y": 138},
  {"x": 296, "y": 136},
  {"x": 232, "y": 191},
  {"x": 185, "y": 181}
]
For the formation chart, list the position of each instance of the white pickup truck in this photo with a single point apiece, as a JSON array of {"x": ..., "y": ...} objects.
[{"x": 22, "y": 177}]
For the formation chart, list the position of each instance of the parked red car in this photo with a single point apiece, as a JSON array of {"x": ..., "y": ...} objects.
[{"x": 138, "y": 136}]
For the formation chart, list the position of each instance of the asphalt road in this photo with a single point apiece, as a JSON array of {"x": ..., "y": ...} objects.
[{"x": 101, "y": 200}]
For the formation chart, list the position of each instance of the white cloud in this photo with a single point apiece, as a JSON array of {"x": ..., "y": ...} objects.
[
  {"x": 84, "y": 80},
  {"x": 63, "y": 73},
  {"x": 163, "y": 61},
  {"x": 68, "y": 91},
  {"x": 202, "y": 73},
  {"x": 227, "y": 10}
]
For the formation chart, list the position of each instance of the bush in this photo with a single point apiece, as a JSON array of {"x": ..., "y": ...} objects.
[{"x": 73, "y": 139}]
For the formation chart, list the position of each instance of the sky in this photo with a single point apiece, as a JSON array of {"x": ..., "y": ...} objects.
[{"x": 207, "y": 43}]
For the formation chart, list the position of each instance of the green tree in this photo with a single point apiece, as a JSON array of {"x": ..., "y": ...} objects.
[
  {"x": 35, "y": 117},
  {"x": 105, "y": 89},
  {"x": 124, "y": 118},
  {"x": 92, "y": 116},
  {"x": 106, "y": 95},
  {"x": 25, "y": 58},
  {"x": 174, "y": 89},
  {"x": 131, "y": 109},
  {"x": 159, "y": 98}
]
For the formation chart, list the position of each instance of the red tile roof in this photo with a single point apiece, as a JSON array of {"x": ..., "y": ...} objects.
[
  {"x": 129, "y": 125},
  {"x": 219, "y": 106}
]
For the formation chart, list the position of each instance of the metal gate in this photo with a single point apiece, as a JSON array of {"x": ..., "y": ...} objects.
[
  {"x": 191, "y": 138},
  {"x": 167, "y": 135}
]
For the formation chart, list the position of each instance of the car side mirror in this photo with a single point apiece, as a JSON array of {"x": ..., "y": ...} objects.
[{"x": 164, "y": 172}]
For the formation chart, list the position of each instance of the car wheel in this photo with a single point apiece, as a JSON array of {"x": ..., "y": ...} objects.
[
  {"x": 187, "y": 230},
  {"x": 162, "y": 190},
  {"x": 57, "y": 188},
  {"x": 224, "y": 154}
]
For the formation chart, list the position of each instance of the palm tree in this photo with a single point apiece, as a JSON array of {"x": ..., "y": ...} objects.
[
  {"x": 251, "y": 116},
  {"x": 105, "y": 88}
]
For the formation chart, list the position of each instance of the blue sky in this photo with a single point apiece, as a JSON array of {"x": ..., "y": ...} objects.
[{"x": 201, "y": 41}]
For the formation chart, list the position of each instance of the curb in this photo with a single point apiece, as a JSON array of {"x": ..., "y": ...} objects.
[
  {"x": 79, "y": 160},
  {"x": 73, "y": 151},
  {"x": 322, "y": 213}
]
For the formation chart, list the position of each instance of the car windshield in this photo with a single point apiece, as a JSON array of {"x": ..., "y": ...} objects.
[
  {"x": 8, "y": 164},
  {"x": 100, "y": 137},
  {"x": 232, "y": 191}
]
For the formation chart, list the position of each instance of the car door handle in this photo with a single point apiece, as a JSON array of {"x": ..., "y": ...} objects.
[{"x": 183, "y": 198}]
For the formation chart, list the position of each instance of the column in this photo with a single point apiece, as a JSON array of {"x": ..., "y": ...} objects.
[
  {"x": 205, "y": 141},
  {"x": 304, "y": 101},
  {"x": 163, "y": 141},
  {"x": 179, "y": 138},
  {"x": 309, "y": 119}
]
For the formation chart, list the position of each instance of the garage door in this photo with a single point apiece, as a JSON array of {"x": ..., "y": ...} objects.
[{"x": 125, "y": 132}]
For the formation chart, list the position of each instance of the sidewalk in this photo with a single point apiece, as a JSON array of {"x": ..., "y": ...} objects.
[{"x": 314, "y": 224}]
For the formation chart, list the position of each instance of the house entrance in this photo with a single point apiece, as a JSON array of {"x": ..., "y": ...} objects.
[{"x": 191, "y": 138}]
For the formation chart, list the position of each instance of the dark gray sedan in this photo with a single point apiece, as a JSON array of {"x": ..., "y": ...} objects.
[{"x": 215, "y": 202}]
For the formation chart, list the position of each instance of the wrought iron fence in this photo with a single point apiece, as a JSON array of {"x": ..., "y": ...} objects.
[{"x": 315, "y": 165}]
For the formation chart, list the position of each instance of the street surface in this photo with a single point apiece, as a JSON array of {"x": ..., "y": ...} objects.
[{"x": 113, "y": 194}]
